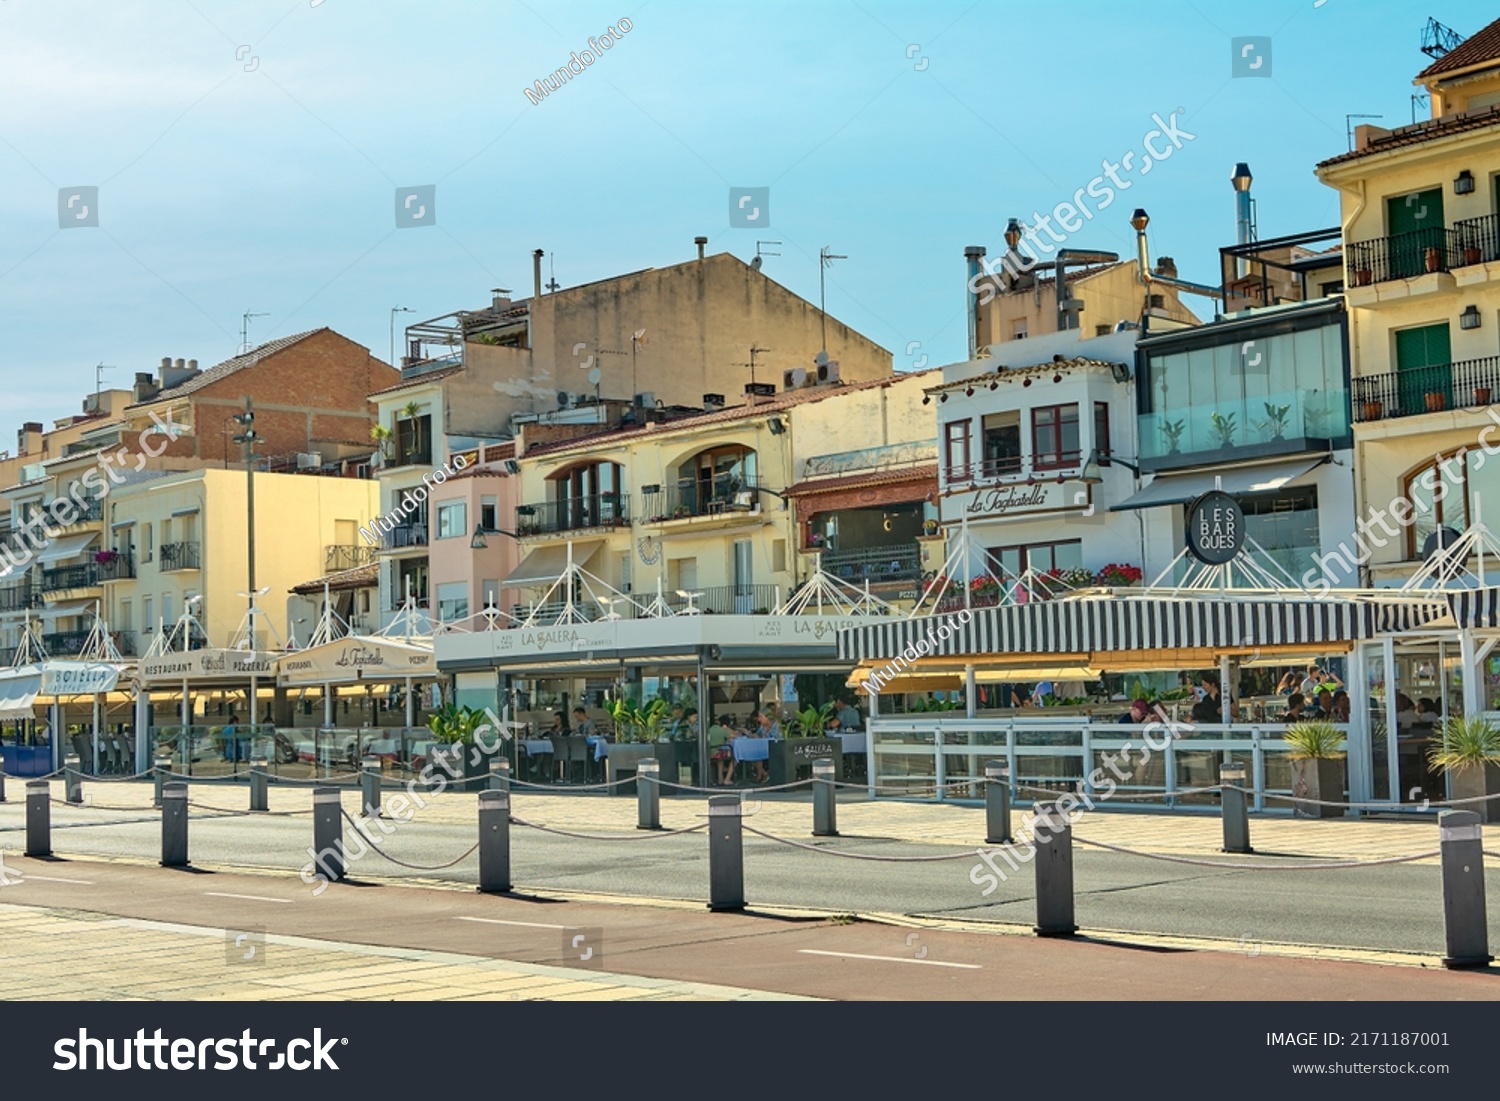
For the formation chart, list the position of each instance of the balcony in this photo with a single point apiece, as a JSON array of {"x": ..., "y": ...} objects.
[
  {"x": 1468, "y": 384},
  {"x": 71, "y": 577},
  {"x": 64, "y": 643},
  {"x": 901, "y": 562},
  {"x": 573, "y": 514},
  {"x": 338, "y": 557},
  {"x": 1273, "y": 424},
  {"x": 179, "y": 556},
  {"x": 1424, "y": 251},
  {"x": 115, "y": 565},
  {"x": 726, "y": 496},
  {"x": 412, "y": 456},
  {"x": 405, "y": 535},
  {"x": 1015, "y": 466},
  {"x": 727, "y": 600},
  {"x": 1478, "y": 240},
  {"x": 91, "y": 513},
  {"x": 17, "y": 598}
]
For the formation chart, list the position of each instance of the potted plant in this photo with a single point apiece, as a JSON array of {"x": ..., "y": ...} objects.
[
  {"x": 1436, "y": 400},
  {"x": 382, "y": 437},
  {"x": 1432, "y": 258},
  {"x": 1470, "y": 245},
  {"x": 1117, "y": 575},
  {"x": 929, "y": 527},
  {"x": 458, "y": 757},
  {"x": 1373, "y": 410},
  {"x": 640, "y": 733},
  {"x": 1468, "y": 750},
  {"x": 1363, "y": 276},
  {"x": 1277, "y": 421},
  {"x": 1171, "y": 432},
  {"x": 809, "y": 722},
  {"x": 1224, "y": 428},
  {"x": 1318, "y": 765},
  {"x": 1481, "y": 395}
]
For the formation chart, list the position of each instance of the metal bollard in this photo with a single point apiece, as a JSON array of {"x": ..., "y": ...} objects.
[
  {"x": 174, "y": 825},
  {"x": 825, "y": 799},
  {"x": 1235, "y": 809},
  {"x": 2, "y": 780},
  {"x": 38, "y": 818},
  {"x": 328, "y": 834},
  {"x": 260, "y": 784},
  {"x": 163, "y": 764},
  {"x": 648, "y": 794},
  {"x": 997, "y": 803},
  {"x": 369, "y": 787},
  {"x": 1054, "y": 871},
  {"x": 1464, "y": 917},
  {"x": 494, "y": 842},
  {"x": 73, "y": 778},
  {"x": 726, "y": 854},
  {"x": 500, "y": 774}
]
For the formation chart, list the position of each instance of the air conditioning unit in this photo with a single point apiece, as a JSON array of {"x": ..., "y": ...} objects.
[
  {"x": 646, "y": 400},
  {"x": 828, "y": 372},
  {"x": 793, "y": 378},
  {"x": 309, "y": 460}
]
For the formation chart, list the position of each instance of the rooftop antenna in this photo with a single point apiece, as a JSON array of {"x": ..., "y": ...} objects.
[
  {"x": 1438, "y": 39},
  {"x": 99, "y": 370},
  {"x": 552, "y": 284},
  {"x": 1349, "y": 127},
  {"x": 825, "y": 261},
  {"x": 756, "y": 263},
  {"x": 1418, "y": 99},
  {"x": 754, "y": 351},
  {"x": 245, "y": 330}
]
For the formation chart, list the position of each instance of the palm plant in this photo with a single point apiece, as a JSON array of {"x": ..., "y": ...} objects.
[
  {"x": 810, "y": 722},
  {"x": 1465, "y": 742},
  {"x": 1224, "y": 428},
  {"x": 382, "y": 437},
  {"x": 640, "y": 723},
  {"x": 1317, "y": 740},
  {"x": 453, "y": 724}
]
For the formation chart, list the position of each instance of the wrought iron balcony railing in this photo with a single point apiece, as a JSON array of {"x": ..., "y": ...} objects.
[
  {"x": 603, "y": 510},
  {"x": 338, "y": 557},
  {"x": 180, "y": 556},
  {"x": 1467, "y": 384}
]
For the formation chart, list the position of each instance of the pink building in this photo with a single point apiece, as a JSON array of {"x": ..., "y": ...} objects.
[{"x": 469, "y": 509}]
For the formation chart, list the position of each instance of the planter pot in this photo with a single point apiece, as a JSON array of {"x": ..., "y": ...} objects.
[
  {"x": 1432, "y": 259},
  {"x": 624, "y": 756},
  {"x": 1474, "y": 783},
  {"x": 1373, "y": 410},
  {"x": 792, "y": 758},
  {"x": 1481, "y": 395},
  {"x": 1321, "y": 778},
  {"x": 1362, "y": 277},
  {"x": 1471, "y": 255},
  {"x": 1436, "y": 402}
]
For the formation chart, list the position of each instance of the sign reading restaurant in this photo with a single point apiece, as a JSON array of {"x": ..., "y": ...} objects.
[
  {"x": 1018, "y": 499},
  {"x": 205, "y": 664}
]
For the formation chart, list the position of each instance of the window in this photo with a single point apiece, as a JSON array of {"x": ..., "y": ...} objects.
[
  {"x": 126, "y": 623},
  {"x": 490, "y": 590},
  {"x": 413, "y": 440},
  {"x": 147, "y": 532},
  {"x": 148, "y": 620},
  {"x": 1442, "y": 493},
  {"x": 1101, "y": 427},
  {"x": 1002, "y": 443},
  {"x": 1018, "y": 329},
  {"x": 778, "y": 556},
  {"x": 166, "y": 607},
  {"x": 452, "y": 519},
  {"x": 625, "y": 567},
  {"x": 682, "y": 573},
  {"x": 586, "y": 496},
  {"x": 956, "y": 439},
  {"x": 1054, "y": 436},
  {"x": 1285, "y": 525},
  {"x": 453, "y": 599},
  {"x": 489, "y": 511},
  {"x": 1015, "y": 561}
]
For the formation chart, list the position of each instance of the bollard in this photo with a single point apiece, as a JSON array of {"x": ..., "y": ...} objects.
[
  {"x": 73, "y": 778},
  {"x": 174, "y": 825},
  {"x": 648, "y": 794},
  {"x": 2, "y": 780},
  {"x": 1235, "y": 809},
  {"x": 500, "y": 774},
  {"x": 328, "y": 834},
  {"x": 1464, "y": 917},
  {"x": 38, "y": 818},
  {"x": 726, "y": 854},
  {"x": 825, "y": 799},
  {"x": 163, "y": 765},
  {"x": 494, "y": 842},
  {"x": 997, "y": 803},
  {"x": 369, "y": 787},
  {"x": 260, "y": 784},
  {"x": 1053, "y": 837}
]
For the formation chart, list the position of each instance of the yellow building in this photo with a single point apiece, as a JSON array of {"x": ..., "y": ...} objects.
[{"x": 1422, "y": 247}]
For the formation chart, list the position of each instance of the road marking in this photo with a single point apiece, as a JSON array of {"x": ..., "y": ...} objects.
[
  {"x": 890, "y": 959},
  {"x": 25, "y": 876},
  {"x": 248, "y": 898},
  {"x": 527, "y": 924}
]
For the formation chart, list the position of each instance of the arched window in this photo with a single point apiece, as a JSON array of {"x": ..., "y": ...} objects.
[
  {"x": 715, "y": 476},
  {"x": 590, "y": 495},
  {"x": 1442, "y": 493}
]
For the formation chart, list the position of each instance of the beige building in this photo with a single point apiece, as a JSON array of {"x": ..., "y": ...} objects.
[{"x": 1421, "y": 222}]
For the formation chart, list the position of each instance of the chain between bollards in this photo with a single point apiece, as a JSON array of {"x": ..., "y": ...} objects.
[{"x": 1235, "y": 809}]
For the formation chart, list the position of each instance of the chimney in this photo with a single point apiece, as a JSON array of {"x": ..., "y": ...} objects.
[
  {"x": 500, "y": 298},
  {"x": 700, "y": 242},
  {"x": 175, "y": 373},
  {"x": 193, "y": 365},
  {"x": 145, "y": 386},
  {"x": 1138, "y": 222},
  {"x": 1244, "y": 214},
  {"x": 972, "y": 256},
  {"x": 713, "y": 401},
  {"x": 536, "y": 275},
  {"x": 1166, "y": 267},
  {"x": 24, "y": 436}
]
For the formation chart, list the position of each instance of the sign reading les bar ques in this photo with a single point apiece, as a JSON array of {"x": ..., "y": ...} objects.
[{"x": 1215, "y": 528}]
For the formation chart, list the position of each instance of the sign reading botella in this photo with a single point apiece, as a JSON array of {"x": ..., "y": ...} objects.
[{"x": 1215, "y": 528}]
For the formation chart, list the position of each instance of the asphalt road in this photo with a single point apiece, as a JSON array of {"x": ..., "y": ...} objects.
[{"x": 1393, "y": 908}]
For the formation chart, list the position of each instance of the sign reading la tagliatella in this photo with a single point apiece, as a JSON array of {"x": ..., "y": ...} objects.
[{"x": 356, "y": 659}]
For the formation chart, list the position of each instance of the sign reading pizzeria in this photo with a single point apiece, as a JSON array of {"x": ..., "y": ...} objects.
[{"x": 1215, "y": 528}]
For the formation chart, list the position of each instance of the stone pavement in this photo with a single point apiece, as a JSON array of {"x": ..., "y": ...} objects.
[
  {"x": 1194, "y": 833},
  {"x": 74, "y": 955}
]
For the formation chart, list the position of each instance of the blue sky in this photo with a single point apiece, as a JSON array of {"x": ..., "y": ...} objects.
[{"x": 248, "y": 152}]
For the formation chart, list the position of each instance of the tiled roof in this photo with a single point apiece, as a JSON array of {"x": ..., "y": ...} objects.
[
  {"x": 922, "y": 473},
  {"x": 1474, "y": 50},
  {"x": 779, "y": 403},
  {"x": 1427, "y": 130},
  {"x": 419, "y": 380},
  {"x": 229, "y": 367},
  {"x": 1002, "y": 371},
  {"x": 360, "y": 577}
]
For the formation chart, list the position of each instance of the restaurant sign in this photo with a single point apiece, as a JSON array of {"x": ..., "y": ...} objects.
[
  {"x": 190, "y": 665},
  {"x": 356, "y": 659},
  {"x": 1215, "y": 528},
  {"x": 78, "y": 678},
  {"x": 1019, "y": 498}
]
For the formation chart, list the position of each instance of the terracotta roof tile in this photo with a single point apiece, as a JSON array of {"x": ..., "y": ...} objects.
[
  {"x": 1001, "y": 370},
  {"x": 419, "y": 380},
  {"x": 359, "y": 577},
  {"x": 229, "y": 366},
  {"x": 1427, "y": 130},
  {"x": 926, "y": 472}
]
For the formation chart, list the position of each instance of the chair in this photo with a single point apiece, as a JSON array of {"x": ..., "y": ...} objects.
[
  {"x": 85, "y": 750},
  {"x": 572, "y": 750}
]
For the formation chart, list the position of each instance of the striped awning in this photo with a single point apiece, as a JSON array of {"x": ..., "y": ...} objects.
[
  {"x": 1092, "y": 626},
  {"x": 1476, "y": 607}
]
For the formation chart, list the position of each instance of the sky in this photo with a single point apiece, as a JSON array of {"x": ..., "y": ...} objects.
[{"x": 249, "y": 154}]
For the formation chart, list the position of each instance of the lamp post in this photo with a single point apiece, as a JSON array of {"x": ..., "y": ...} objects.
[
  {"x": 394, "y": 311},
  {"x": 249, "y": 438}
]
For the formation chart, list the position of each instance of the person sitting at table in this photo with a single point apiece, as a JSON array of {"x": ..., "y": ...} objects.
[
  {"x": 721, "y": 752},
  {"x": 1406, "y": 712},
  {"x": 559, "y": 725},
  {"x": 1295, "y": 709},
  {"x": 1208, "y": 709},
  {"x": 834, "y": 725},
  {"x": 1322, "y": 706},
  {"x": 769, "y": 727},
  {"x": 687, "y": 726},
  {"x": 1341, "y": 706},
  {"x": 1140, "y": 711},
  {"x": 847, "y": 714},
  {"x": 1288, "y": 685},
  {"x": 582, "y": 724},
  {"x": 1427, "y": 712}
]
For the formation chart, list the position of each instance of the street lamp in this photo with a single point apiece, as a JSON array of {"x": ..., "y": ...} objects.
[
  {"x": 394, "y": 311},
  {"x": 1093, "y": 474}
]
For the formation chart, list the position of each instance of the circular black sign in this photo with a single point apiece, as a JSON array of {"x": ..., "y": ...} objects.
[{"x": 1215, "y": 528}]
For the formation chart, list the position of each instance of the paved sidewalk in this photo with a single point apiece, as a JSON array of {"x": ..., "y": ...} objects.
[{"x": 949, "y": 825}]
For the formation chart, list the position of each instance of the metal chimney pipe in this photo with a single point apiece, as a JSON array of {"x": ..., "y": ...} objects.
[
  {"x": 536, "y": 275},
  {"x": 700, "y": 242},
  {"x": 972, "y": 256},
  {"x": 1243, "y": 218},
  {"x": 1139, "y": 221}
]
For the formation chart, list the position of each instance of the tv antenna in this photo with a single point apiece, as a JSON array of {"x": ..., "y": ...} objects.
[
  {"x": 825, "y": 261},
  {"x": 99, "y": 370},
  {"x": 1438, "y": 39},
  {"x": 552, "y": 284},
  {"x": 1349, "y": 127},
  {"x": 756, "y": 263},
  {"x": 245, "y": 330},
  {"x": 754, "y": 351}
]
